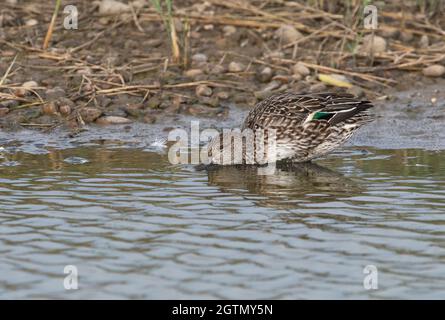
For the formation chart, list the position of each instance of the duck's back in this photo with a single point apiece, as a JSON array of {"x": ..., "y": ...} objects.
[{"x": 309, "y": 125}]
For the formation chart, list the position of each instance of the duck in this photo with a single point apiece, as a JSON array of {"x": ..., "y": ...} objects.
[{"x": 306, "y": 126}]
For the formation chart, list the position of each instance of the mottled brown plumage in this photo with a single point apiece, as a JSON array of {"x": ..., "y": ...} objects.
[{"x": 307, "y": 126}]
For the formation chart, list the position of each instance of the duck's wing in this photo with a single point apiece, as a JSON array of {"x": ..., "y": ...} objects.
[{"x": 289, "y": 110}]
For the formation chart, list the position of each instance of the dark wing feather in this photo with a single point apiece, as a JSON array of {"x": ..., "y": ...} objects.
[{"x": 289, "y": 109}]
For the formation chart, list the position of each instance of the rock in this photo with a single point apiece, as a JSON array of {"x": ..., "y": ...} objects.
[
  {"x": 203, "y": 91},
  {"x": 192, "y": 73},
  {"x": 301, "y": 69},
  {"x": 113, "y": 7},
  {"x": 89, "y": 114},
  {"x": 265, "y": 74},
  {"x": 390, "y": 32},
  {"x": 288, "y": 34},
  {"x": 65, "y": 110},
  {"x": 236, "y": 67},
  {"x": 406, "y": 36},
  {"x": 199, "y": 58},
  {"x": 356, "y": 91},
  {"x": 154, "y": 103},
  {"x": 424, "y": 42},
  {"x": 376, "y": 45},
  {"x": 223, "y": 95},
  {"x": 9, "y": 104},
  {"x": 149, "y": 119},
  {"x": 201, "y": 110},
  {"x": 272, "y": 86},
  {"x": 318, "y": 87},
  {"x": 435, "y": 70},
  {"x": 217, "y": 69},
  {"x": 112, "y": 120},
  {"x": 29, "y": 84},
  {"x": 31, "y": 22},
  {"x": 49, "y": 108},
  {"x": 281, "y": 78},
  {"x": 229, "y": 30},
  {"x": 3, "y": 112},
  {"x": 55, "y": 93}
]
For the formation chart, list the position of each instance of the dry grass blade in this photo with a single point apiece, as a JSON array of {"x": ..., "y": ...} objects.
[
  {"x": 8, "y": 71},
  {"x": 51, "y": 25}
]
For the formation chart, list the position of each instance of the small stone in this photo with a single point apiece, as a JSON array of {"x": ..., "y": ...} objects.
[
  {"x": 406, "y": 36},
  {"x": 49, "y": 108},
  {"x": 217, "y": 69},
  {"x": 154, "y": 103},
  {"x": 236, "y": 67},
  {"x": 199, "y": 58},
  {"x": 433, "y": 100},
  {"x": 55, "y": 93},
  {"x": 201, "y": 110},
  {"x": 89, "y": 114},
  {"x": 318, "y": 87},
  {"x": 281, "y": 78},
  {"x": 390, "y": 32},
  {"x": 149, "y": 119},
  {"x": 3, "y": 112},
  {"x": 265, "y": 74},
  {"x": 288, "y": 34},
  {"x": 376, "y": 45},
  {"x": 301, "y": 69},
  {"x": 272, "y": 86},
  {"x": 113, "y": 7},
  {"x": 31, "y": 22},
  {"x": 435, "y": 70},
  {"x": 223, "y": 95},
  {"x": 65, "y": 110},
  {"x": 112, "y": 120},
  {"x": 203, "y": 91},
  {"x": 208, "y": 27},
  {"x": 29, "y": 84},
  {"x": 229, "y": 30},
  {"x": 356, "y": 91},
  {"x": 192, "y": 73},
  {"x": 424, "y": 41}
]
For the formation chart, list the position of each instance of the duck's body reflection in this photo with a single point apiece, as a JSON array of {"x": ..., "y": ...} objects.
[{"x": 287, "y": 185}]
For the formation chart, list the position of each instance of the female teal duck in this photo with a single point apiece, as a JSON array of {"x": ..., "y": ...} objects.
[{"x": 307, "y": 126}]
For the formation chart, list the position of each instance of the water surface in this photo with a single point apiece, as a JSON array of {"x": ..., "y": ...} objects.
[{"x": 137, "y": 226}]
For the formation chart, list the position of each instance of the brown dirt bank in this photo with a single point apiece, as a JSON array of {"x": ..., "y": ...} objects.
[{"x": 118, "y": 68}]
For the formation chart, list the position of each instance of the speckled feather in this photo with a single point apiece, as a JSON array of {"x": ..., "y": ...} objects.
[{"x": 301, "y": 140}]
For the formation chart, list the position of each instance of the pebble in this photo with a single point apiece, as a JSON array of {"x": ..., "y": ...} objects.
[
  {"x": 356, "y": 91},
  {"x": 49, "y": 108},
  {"x": 318, "y": 87},
  {"x": 376, "y": 46},
  {"x": 424, "y": 42},
  {"x": 112, "y": 120},
  {"x": 30, "y": 84},
  {"x": 217, "y": 69},
  {"x": 236, "y": 67},
  {"x": 301, "y": 69},
  {"x": 31, "y": 22},
  {"x": 435, "y": 70},
  {"x": 55, "y": 93},
  {"x": 203, "y": 91},
  {"x": 192, "y": 73},
  {"x": 89, "y": 114},
  {"x": 288, "y": 34},
  {"x": 199, "y": 58},
  {"x": 65, "y": 110},
  {"x": 265, "y": 74},
  {"x": 113, "y": 7},
  {"x": 229, "y": 30},
  {"x": 223, "y": 95},
  {"x": 3, "y": 112},
  {"x": 406, "y": 36}
]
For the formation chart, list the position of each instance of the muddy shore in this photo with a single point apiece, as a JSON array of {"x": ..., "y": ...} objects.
[{"x": 117, "y": 69}]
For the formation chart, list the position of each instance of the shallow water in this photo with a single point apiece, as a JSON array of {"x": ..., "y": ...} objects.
[{"x": 137, "y": 226}]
